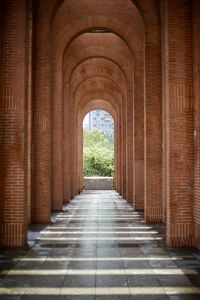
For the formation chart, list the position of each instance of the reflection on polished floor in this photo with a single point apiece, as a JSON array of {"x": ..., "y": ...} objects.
[{"x": 99, "y": 248}]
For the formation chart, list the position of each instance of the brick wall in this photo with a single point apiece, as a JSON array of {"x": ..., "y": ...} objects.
[
  {"x": 179, "y": 123},
  {"x": 196, "y": 80},
  {"x": 153, "y": 116},
  {"x": 158, "y": 138},
  {"x": 13, "y": 204},
  {"x": 41, "y": 155},
  {"x": 29, "y": 82}
]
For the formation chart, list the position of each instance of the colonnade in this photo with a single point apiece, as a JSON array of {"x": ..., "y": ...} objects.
[{"x": 138, "y": 60}]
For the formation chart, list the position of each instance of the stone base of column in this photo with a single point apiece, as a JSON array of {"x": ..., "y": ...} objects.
[
  {"x": 153, "y": 214},
  {"x": 41, "y": 217},
  {"x": 139, "y": 202},
  {"x": 196, "y": 239},
  {"x": 180, "y": 235},
  {"x": 13, "y": 235}
]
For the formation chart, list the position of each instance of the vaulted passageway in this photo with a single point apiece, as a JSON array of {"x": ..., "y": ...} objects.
[
  {"x": 61, "y": 58},
  {"x": 97, "y": 247}
]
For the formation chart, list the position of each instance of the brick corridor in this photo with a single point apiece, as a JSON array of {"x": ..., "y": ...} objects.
[{"x": 99, "y": 248}]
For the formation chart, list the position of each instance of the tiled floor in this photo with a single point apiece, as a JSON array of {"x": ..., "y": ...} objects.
[{"x": 99, "y": 248}]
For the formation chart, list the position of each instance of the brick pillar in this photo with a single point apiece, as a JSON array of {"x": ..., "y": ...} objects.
[
  {"x": 66, "y": 144},
  {"x": 138, "y": 167},
  {"x": 76, "y": 152},
  {"x": 57, "y": 191},
  {"x": 119, "y": 161},
  {"x": 80, "y": 156},
  {"x": 116, "y": 154},
  {"x": 29, "y": 103},
  {"x": 153, "y": 124},
  {"x": 196, "y": 79},
  {"x": 130, "y": 186},
  {"x": 13, "y": 204},
  {"x": 164, "y": 117},
  {"x": 72, "y": 154},
  {"x": 179, "y": 122},
  {"x": 121, "y": 144},
  {"x": 41, "y": 183},
  {"x": 124, "y": 166}
]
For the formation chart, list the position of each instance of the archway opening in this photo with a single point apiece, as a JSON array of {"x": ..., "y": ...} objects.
[{"x": 98, "y": 150}]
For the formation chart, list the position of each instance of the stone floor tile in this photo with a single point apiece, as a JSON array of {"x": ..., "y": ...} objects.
[
  {"x": 111, "y": 281},
  {"x": 79, "y": 281},
  {"x": 96, "y": 242},
  {"x": 121, "y": 297}
]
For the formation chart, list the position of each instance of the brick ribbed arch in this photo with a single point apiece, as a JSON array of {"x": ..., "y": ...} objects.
[
  {"x": 83, "y": 110},
  {"x": 46, "y": 46},
  {"x": 98, "y": 46},
  {"x": 55, "y": 26},
  {"x": 68, "y": 33},
  {"x": 97, "y": 84}
]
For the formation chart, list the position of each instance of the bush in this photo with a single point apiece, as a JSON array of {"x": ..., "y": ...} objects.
[{"x": 98, "y": 154}]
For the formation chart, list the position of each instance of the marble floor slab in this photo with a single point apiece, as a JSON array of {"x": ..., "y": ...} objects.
[{"x": 99, "y": 248}]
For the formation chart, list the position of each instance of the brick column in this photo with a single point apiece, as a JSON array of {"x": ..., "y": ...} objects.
[
  {"x": 72, "y": 154},
  {"x": 123, "y": 149},
  {"x": 121, "y": 144},
  {"x": 41, "y": 187},
  {"x": 196, "y": 80},
  {"x": 153, "y": 123},
  {"x": 130, "y": 186},
  {"x": 138, "y": 167},
  {"x": 13, "y": 203},
  {"x": 29, "y": 47},
  {"x": 179, "y": 122},
  {"x": 66, "y": 144},
  {"x": 57, "y": 190}
]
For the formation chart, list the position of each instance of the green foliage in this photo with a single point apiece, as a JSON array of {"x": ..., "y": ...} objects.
[{"x": 98, "y": 154}]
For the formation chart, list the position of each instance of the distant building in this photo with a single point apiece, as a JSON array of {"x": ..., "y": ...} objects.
[{"x": 101, "y": 120}]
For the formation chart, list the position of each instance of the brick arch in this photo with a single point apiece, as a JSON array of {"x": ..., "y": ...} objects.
[
  {"x": 70, "y": 32},
  {"x": 38, "y": 48},
  {"x": 144, "y": 7},
  {"x": 105, "y": 95},
  {"x": 98, "y": 104},
  {"x": 97, "y": 47},
  {"x": 98, "y": 67},
  {"x": 145, "y": 54},
  {"x": 127, "y": 16},
  {"x": 98, "y": 83},
  {"x": 91, "y": 104},
  {"x": 120, "y": 109}
]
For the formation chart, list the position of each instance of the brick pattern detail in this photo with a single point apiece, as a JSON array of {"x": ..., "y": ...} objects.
[
  {"x": 41, "y": 159},
  {"x": 139, "y": 184},
  {"x": 179, "y": 142},
  {"x": 153, "y": 116},
  {"x": 52, "y": 69},
  {"x": 180, "y": 234},
  {"x": 155, "y": 214},
  {"x": 12, "y": 235},
  {"x": 138, "y": 202},
  {"x": 13, "y": 205},
  {"x": 29, "y": 50},
  {"x": 56, "y": 141},
  {"x": 196, "y": 80}
]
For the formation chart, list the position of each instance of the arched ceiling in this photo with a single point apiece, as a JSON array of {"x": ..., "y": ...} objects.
[
  {"x": 92, "y": 45},
  {"x": 99, "y": 104},
  {"x": 97, "y": 85},
  {"x": 92, "y": 96},
  {"x": 74, "y": 17},
  {"x": 95, "y": 47},
  {"x": 96, "y": 67}
]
